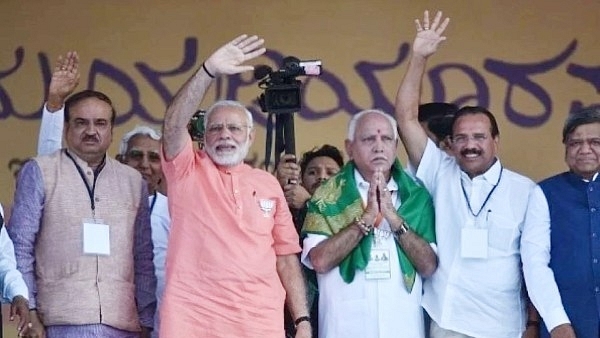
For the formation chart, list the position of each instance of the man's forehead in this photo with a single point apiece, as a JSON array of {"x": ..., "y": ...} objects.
[
  {"x": 322, "y": 161},
  {"x": 91, "y": 103},
  {"x": 374, "y": 127},
  {"x": 588, "y": 129},
  {"x": 143, "y": 141},
  {"x": 142, "y": 148},
  {"x": 228, "y": 113},
  {"x": 85, "y": 117},
  {"x": 472, "y": 120}
]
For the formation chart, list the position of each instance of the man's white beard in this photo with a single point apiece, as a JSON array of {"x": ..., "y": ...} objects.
[{"x": 230, "y": 159}]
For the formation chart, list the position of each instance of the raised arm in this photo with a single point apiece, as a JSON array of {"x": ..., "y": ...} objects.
[
  {"x": 407, "y": 99},
  {"x": 65, "y": 78},
  {"x": 227, "y": 60}
]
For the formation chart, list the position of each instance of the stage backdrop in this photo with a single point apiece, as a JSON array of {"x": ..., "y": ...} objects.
[{"x": 530, "y": 62}]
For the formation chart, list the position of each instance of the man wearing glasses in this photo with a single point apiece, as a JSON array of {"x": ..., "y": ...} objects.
[
  {"x": 232, "y": 253},
  {"x": 490, "y": 221}
]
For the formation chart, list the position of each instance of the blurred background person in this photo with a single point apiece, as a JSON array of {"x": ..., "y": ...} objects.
[
  {"x": 299, "y": 183},
  {"x": 436, "y": 118},
  {"x": 300, "y": 180}
]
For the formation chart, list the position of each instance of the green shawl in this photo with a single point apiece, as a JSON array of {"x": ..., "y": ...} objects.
[{"x": 337, "y": 203}]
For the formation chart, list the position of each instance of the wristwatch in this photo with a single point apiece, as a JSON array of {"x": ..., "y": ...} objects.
[{"x": 402, "y": 229}]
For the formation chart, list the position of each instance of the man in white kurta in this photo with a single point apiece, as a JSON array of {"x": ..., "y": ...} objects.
[
  {"x": 367, "y": 307},
  {"x": 492, "y": 224},
  {"x": 369, "y": 266}
]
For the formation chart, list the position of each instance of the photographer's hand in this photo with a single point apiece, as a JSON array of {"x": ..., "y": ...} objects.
[
  {"x": 288, "y": 171},
  {"x": 229, "y": 58},
  {"x": 295, "y": 195}
]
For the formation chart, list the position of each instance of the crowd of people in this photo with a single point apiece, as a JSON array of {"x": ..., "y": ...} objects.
[{"x": 168, "y": 239}]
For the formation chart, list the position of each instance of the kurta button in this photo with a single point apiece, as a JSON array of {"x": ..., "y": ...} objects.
[
  {"x": 595, "y": 260},
  {"x": 594, "y": 235},
  {"x": 89, "y": 173},
  {"x": 97, "y": 199},
  {"x": 591, "y": 188},
  {"x": 597, "y": 289},
  {"x": 593, "y": 209}
]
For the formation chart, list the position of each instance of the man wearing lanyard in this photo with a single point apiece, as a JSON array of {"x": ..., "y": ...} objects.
[
  {"x": 139, "y": 149},
  {"x": 369, "y": 236},
  {"x": 82, "y": 236},
  {"x": 489, "y": 219}
]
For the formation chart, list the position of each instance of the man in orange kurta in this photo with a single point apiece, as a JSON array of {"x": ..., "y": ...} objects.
[{"x": 232, "y": 259}]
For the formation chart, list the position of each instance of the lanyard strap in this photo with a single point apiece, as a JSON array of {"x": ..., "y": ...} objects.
[
  {"x": 153, "y": 202},
  {"x": 486, "y": 199},
  {"x": 91, "y": 189}
]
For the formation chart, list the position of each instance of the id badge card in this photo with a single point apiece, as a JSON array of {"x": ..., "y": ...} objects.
[
  {"x": 474, "y": 243},
  {"x": 96, "y": 238},
  {"x": 379, "y": 265}
]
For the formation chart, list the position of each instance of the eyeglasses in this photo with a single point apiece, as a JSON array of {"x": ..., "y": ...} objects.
[
  {"x": 234, "y": 128},
  {"x": 138, "y": 155},
  {"x": 464, "y": 139}
]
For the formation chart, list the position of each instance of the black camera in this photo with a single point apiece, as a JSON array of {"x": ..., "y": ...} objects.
[
  {"x": 281, "y": 98},
  {"x": 282, "y": 89},
  {"x": 196, "y": 126}
]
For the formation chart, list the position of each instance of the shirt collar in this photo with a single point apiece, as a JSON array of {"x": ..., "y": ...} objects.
[
  {"x": 593, "y": 178},
  {"x": 82, "y": 163},
  {"x": 491, "y": 175}
]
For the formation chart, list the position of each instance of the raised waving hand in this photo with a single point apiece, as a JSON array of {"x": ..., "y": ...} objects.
[{"x": 429, "y": 34}]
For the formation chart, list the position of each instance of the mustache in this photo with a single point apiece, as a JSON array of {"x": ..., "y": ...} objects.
[
  {"x": 468, "y": 151},
  {"x": 226, "y": 144},
  {"x": 90, "y": 138}
]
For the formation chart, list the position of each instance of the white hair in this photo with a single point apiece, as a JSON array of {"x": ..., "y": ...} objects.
[
  {"x": 138, "y": 130},
  {"x": 354, "y": 122},
  {"x": 228, "y": 103}
]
